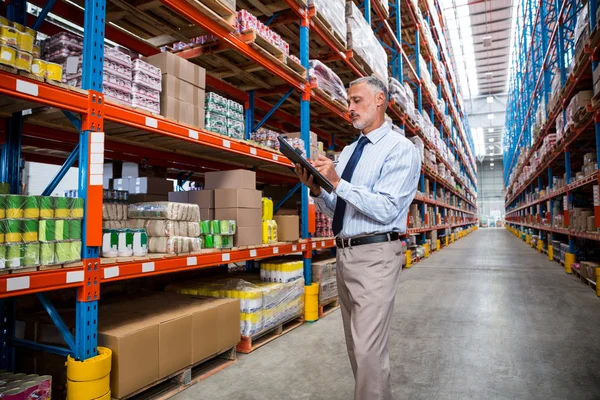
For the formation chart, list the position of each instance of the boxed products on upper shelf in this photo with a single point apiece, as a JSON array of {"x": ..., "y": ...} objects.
[
  {"x": 224, "y": 116},
  {"x": 322, "y": 77}
]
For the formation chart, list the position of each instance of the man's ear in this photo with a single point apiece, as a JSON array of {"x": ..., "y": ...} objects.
[{"x": 380, "y": 99}]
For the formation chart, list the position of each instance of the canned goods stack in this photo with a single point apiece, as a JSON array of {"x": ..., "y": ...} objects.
[
  {"x": 281, "y": 270},
  {"x": 224, "y": 116},
  {"x": 218, "y": 234},
  {"x": 23, "y": 386},
  {"x": 18, "y": 46},
  {"x": 266, "y": 137},
  {"x": 324, "y": 225},
  {"x": 39, "y": 230}
]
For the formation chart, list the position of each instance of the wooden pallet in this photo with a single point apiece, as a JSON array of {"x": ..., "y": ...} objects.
[
  {"x": 267, "y": 7},
  {"x": 249, "y": 344},
  {"x": 337, "y": 102},
  {"x": 296, "y": 67},
  {"x": 179, "y": 381},
  {"x": 329, "y": 306},
  {"x": 328, "y": 30},
  {"x": 255, "y": 40}
]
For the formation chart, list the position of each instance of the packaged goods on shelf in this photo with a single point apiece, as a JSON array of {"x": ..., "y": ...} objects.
[
  {"x": 281, "y": 270},
  {"x": 269, "y": 232},
  {"x": 333, "y": 12},
  {"x": 224, "y": 116},
  {"x": 364, "y": 44},
  {"x": 125, "y": 242},
  {"x": 165, "y": 210},
  {"x": 399, "y": 94},
  {"x": 263, "y": 305},
  {"x": 25, "y": 386},
  {"x": 323, "y": 269},
  {"x": 288, "y": 228},
  {"x": 174, "y": 244},
  {"x": 324, "y": 78},
  {"x": 114, "y": 212},
  {"x": 324, "y": 225},
  {"x": 582, "y": 29},
  {"x": 165, "y": 227},
  {"x": 248, "y": 22},
  {"x": 267, "y": 208},
  {"x": 577, "y": 103}
]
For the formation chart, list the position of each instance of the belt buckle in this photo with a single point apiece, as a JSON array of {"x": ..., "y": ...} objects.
[{"x": 349, "y": 242}]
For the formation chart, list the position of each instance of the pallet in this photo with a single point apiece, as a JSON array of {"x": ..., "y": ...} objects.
[
  {"x": 328, "y": 30},
  {"x": 328, "y": 307},
  {"x": 179, "y": 381},
  {"x": 296, "y": 67},
  {"x": 336, "y": 102},
  {"x": 255, "y": 40},
  {"x": 267, "y": 8},
  {"x": 249, "y": 344}
]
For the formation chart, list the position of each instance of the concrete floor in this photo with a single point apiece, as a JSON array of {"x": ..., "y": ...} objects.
[{"x": 486, "y": 318}]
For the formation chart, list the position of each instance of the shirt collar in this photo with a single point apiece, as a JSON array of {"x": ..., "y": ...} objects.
[{"x": 378, "y": 134}]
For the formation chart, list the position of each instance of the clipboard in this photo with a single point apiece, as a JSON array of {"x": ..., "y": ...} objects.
[{"x": 296, "y": 157}]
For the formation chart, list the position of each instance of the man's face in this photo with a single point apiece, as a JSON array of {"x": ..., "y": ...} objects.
[{"x": 362, "y": 105}]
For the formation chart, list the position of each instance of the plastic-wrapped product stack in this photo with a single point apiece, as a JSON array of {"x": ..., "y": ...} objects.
[
  {"x": 403, "y": 96},
  {"x": 324, "y": 273},
  {"x": 281, "y": 270},
  {"x": 218, "y": 234},
  {"x": 263, "y": 305},
  {"x": 324, "y": 78},
  {"x": 18, "y": 48},
  {"x": 266, "y": 137},
  {"x": 235, "y": 120},
  {"x": 324, "y": 225},
  {"x": 146, "y": 86},
  {"x": 364, "y": 44},
  {"x": 171, "y": 228},
  {"x": 39, "y": 230},
  {"x": 248, "y": 22},
  {"x": 224, "y": 116},
  {"x": 332, "y": 11}
]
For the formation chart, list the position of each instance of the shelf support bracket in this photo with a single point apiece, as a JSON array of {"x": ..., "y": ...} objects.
[
  {"x": 272, "y": 110},
  {"x": 60, "y": 324},
  {"x": 73, "y": 118},
  {"x": 42, "y": 16},
  {"x": 286, "y": 197},
  {"x": 61, "y": 351},
  {"x": 62, "y": 171}
]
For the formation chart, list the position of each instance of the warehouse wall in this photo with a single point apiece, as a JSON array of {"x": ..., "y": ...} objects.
[
  {"x": 490, "y": 189},
  {"x": 37, "y": 176}
]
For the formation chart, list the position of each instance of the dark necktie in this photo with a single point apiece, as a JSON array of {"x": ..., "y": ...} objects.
[{"x": 340, "y": 207}]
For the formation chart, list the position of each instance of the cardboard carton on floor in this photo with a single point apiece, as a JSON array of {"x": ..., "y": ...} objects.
[
  {"x": 238, "y": 198},
  {"x": 234, "y": 179},
  {"x": 288, "y": 228},
  {"x": 244, "y": 217}
]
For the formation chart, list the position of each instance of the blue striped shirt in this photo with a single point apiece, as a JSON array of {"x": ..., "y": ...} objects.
[{"x": 382, "y": 188}]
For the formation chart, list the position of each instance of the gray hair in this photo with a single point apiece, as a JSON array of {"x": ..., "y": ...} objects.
[{"x": 374, "y": 83}]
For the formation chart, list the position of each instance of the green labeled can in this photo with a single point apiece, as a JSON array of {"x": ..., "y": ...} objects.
[
  {"x": 205, "y": 227},
  {"x": 31, "y": 254},
  {"x": 14, "y": 231},
  {"x": 140, "y": 242},
  {"x": 62, "y": 207},
  {"x": 110, "y": 243},
  {"x": 3, "y": 230},
  {"x": 125, "y": 248},
  {"x": 14, "y": 256},
  {"x": 227, "y": 242},
  {"x": 75, "y": 229},
  {"x": 76, "y": 250},
  {"x": 215, "y": 227},
  {"x": 46, "y": 207},
  {"x": 2, "y": 206},
  {"x": 209, "y": 241},
  {"x": 14, "y": 206},
  {"x": 2, "y": 256},
  {"x": 31, "y": 207},
  {"x": 61, "y": 231},
  {"x": 47, "y": 255},
  {"x": 77, "y": 208},
  {"x": 30, "y": 230},
  {"x": 218, "y": 239},
  {"x": 47, "y": 231},
  {"x": 63, "y": 252}
]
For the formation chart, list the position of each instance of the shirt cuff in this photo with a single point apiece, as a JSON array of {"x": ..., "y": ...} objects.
[
  {"x": 343, "y": 188},
  {"x": 323, "y": 195}
]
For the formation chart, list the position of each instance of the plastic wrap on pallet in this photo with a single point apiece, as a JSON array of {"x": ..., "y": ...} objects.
[
  {"x": 327, "y": 289},
  {"x": 165, "y": 210},
  {"x": 114, "y": 212},
  {"x": 332, "y": 11},
  {"x": 165, "y": 227},
  {"x": 174, "y": 244},
  {"x": 364, "y": 43},
  {"x": 324, "y": 269},
  {"x": 419, "y": 145},
  {"x": 324, "y": 78}
]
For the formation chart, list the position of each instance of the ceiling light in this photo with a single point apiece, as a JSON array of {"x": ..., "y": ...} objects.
[
  {"x": 490, "y": 130},
  {"x": 491, "y": 140},
  {"x": 491, "y": 147},
  {"x": 490, "y": 99},
  {"x": 491, "y": 164},
  {"x": 490, "y": 116},
  {"x": 492, "y": 160}
]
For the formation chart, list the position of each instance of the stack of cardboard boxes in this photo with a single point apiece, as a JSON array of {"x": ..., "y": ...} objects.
[
  {"x": 141, "y": 188},
  {"x": 316, "y": 147},
  {"x": 183, "y": 89}
]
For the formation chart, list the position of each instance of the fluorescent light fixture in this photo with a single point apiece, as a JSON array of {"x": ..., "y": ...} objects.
[
  {"x": 491, "y": 140},
  {"x": 491, "y": 164},
  {"x": 491, "y": 147},
  {"x": 490, "y": 130},
  {"x": 490, "y": 116}
]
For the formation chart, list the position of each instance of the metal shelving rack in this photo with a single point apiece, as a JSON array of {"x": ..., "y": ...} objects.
[
  {"x": 544, "y": 46},
  {"x": 87, "y": 130}
]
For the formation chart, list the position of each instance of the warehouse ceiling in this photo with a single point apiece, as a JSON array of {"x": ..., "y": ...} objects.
[{"x": 480, "y": 33}]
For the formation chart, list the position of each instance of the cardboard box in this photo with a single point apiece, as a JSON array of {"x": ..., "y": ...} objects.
[
  {"x": 150, "y": 186},
  {"x": 238, "y": 198},
  {"x": 181, "y": 90},
  {"x": 179, "y": 197},
  {"x": 244, "y": 217},
  {"x": 172, "y": 64},
  {"x": 204, "y": 198},
  {"x": 234, "y": 179},
  {"x": 248, "y": 236},
  {"x": 120, "y": 184},
  {"x": 296, "y": 135},
  {"x": 180, "y": 111},
  {"x": 288, "y": 228},
  {"x": 207, "y": 214},
  {"x": 143, "y": 198}
]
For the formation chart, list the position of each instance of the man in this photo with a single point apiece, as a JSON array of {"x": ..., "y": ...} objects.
[{"x": 375, "y": 182}]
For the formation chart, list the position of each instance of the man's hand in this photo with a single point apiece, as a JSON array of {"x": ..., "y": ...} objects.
[
  {"x": 326, "y": 168},
  {"x": 307, "y": 180}
]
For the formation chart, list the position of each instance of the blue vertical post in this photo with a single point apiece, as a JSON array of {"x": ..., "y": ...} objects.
[
  {"x": 249, "y": 115},
  {"x": 368, "y": 11},
  {"x": 568, "y": 165},
  {"x": 593, "y": 7},
  {"x": 305, "y": 135},
  {"x": 399, "y": 38},
  {"x": 418, "y": 64}
]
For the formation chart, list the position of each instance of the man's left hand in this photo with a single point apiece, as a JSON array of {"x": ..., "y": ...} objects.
[{"x": 326, "y": 167}]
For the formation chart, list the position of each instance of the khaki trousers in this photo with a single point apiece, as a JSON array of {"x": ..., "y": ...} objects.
[{"x": 367, "y": 279}]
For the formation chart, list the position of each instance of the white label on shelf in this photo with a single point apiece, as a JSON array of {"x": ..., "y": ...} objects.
[
  {"x": 72, "y": 65},
  {"x": 565, "y": 203},
  {"x": 253, "y": 151},
  {"x": 97, "y": 159},
  {"x": 253, "y": 253},
  {"x": 323, "y": 243},
  {"x": 27, "y": 87},
  {"x": 96, "y": 169},
  {"x": 314, "y": 245},
  {"x": 275, "y": 250},
  {"x": 97, "y": 137},
  {"x": 148, "y": 266},
  {"x": 97, "y": 148},
  {"x": 111, "y": 272},
  {"x": 151, "y": 122},
  {"x": 74, "y": 276},
  {"x": 226, "y": 143},
  {"x": 193, "y": 134},
  {"x": 225, "y": 257},
  {"x": 294, "y": 247},
  {"x": 275, "y": 157},
  {"x": 19, "y": 283},
  {"x": 596, "y": 196},
  {"x": 192, "y": 261},
  {"x": 29, "y": 111},
  {"x": 96, "y": 179},
  {"x": 303, "y": 247}
]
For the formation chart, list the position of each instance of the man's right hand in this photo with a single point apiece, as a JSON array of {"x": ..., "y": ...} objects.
[{"x": 307, "y": 180}]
